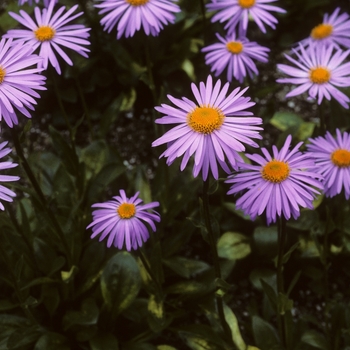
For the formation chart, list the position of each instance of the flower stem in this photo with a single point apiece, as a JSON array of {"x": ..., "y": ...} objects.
[
  {"x": 280, "y": 281},
  {"x": 217, "y": 269},
  {"x": 149, "y": 270},
  {"x": 40, "y": 194}
]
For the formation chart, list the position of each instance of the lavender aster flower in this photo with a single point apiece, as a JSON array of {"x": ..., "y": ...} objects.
[
  {"x": 279, "y": 183},
  {"x": 50, "y": 32},
  {"x": 319, "y": 71},
  {"x": 332, "y": 158},
  {"x": 237, "y": 13},
  {"x": 18, "y": 80},
  {"x": 124, "y": 220},
  {"x": 237, "y": 55},
  {"x": 130, "y": 15},
  {"x": 213, "y": 129},
  {"x": 5, "y": 193},
  {"x": 333, "y": 31}
]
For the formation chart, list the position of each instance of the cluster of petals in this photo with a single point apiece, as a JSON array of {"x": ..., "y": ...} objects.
[
  {"x": 333, "y": 31},
  {"x": 319, "y": 70},
  {"x": 237, "y": 55},
  {"x": 50, "y": 31},
  {"x": 222, "y": 137},
  {"x": 238, "y": 12},
  {"x": 6, "y": 194},
  {"x": 129, "y": 231},
  {"x": 289, "y": 183},
  {"x": 130, "y": 15},
  {"x": 18, "y": 80},
  {"x": 332, "y": 161}
]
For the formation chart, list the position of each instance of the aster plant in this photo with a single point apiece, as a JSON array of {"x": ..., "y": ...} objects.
[
  {"x": 278, "y": 184},
  {"x": 332, "y": 161},
  {"x": 238, "y": 12},
  {"x": 130, "y": 15},
  {"x": 213, "y": 129},
  {"x": 124, "y": 220},
  {"x": 333, "y": 31},
  {"x": 6, "y": 194},
  {"x": 319, "y": 71},
  {"x": 50, "y": 31},
  {"x": 18, "y": 80},
  {"x": 237, "y": 55}
]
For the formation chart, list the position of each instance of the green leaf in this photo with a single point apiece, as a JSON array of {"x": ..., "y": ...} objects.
[
  {"x": 120, "y": 282},
  {"x": 265, "y": 240},
  {"x": 231, "y": 320},
  {"x": 186, "y": 267},
  {"x": 232, "y": 208},
  {"x": 264, "y": 334},
  {"x": 22, "y": 337},
  {"x": 94, "y": 156},
  {"x": 88, "y": 315},
  {"x": 52, "y": 341},
  {"x": 188, "y": 287},
  {"x": 271, "y": 294},
  {"x": 315, "y": 339},
  {"x": 233, "y": 246},
  {"x": 284, "y": 120},
  {"x": 103, "y": 341},
  {"x": 284, "y": 303}
]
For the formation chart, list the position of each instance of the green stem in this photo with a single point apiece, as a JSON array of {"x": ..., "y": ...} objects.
[
  {"x": 85, "y": 107},
  {"x": 40, "y": 194},
  {"x": 280, "y": 280},
  {"x": 149, "y": 271},
  {"x": 64, "y": 113},
  {"x": 16, "y": 287},
  {"x": 217, "y": 269}
]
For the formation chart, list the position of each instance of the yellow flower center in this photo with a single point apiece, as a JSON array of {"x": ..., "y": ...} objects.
[
  {"x": 246, "y": 4},
  {"x": 320, "y": 75},
  {"x": 234, "y": 47},
  {"x": 126, "y": 210},
  {"x": 321, "y": 31},
  {"x": 341, "y": 158},
  {"x": 2, "y": 74},
  {"x": 137, "y": 2},
  {"x": 44, "y": 33},
  {"x": 275, "y": 171},
  {"x": 205, "y": 119}
]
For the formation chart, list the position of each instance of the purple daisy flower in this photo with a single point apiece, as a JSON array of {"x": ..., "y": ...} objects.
[
  {"x": 30, "y": 2},
  {"x": 124, "y": 220},
  {"x": 213, "y": 129},
  {"x": 332, "y": 158},
  {"x": 5, "y": 193},
  {"x": 50, "y": 32},
  {"x": 18, "y": 80},
  {"x": 319, "y": 71},
  {"x": 279, "y": 183},
  {"x": 237, "y": 13},
  {"x": 333, "y": 31},
  {"x": 130, "y": 15},
  {"x": 237, "y": 55}
]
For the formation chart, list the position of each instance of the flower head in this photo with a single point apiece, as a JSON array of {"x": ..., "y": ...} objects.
[
  {"x": 50, "y": 32},
  {"x": 319, "y": 71},
  {"x": 124, "y": 220},
  {"x": 131, "y": 15},
  {"x": 333, "y": 31},
  {"x": 18, "y": 80},
  {"x": 237, "y": 54},
  {"x": 5, "y": 193},
  {"x": 213, "y": 129},
  {"x": 332, "y": 158},
  {"x": 278, "y": 184},
  {"x": 237, "y": 13}
]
